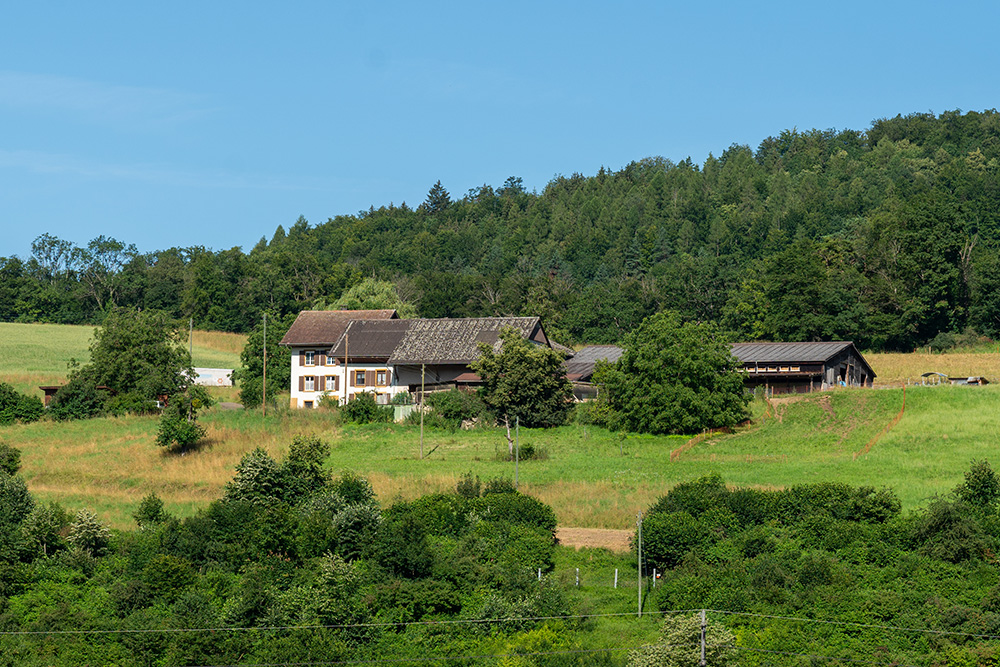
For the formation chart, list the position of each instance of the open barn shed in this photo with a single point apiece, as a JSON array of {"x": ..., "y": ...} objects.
[{"x": 790, "y": 368}]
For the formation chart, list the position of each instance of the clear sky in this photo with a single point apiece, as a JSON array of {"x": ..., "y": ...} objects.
[{"x": 211, "y": 123}]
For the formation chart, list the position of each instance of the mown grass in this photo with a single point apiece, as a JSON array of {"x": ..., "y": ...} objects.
[
  {"x": 591, "y": 477},
  {"x": 38, "y": 354}
]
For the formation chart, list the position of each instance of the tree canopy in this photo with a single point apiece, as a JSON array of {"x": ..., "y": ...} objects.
[
  {"x": 524, "y": 381},
  {"x": 674, "y": 377}
]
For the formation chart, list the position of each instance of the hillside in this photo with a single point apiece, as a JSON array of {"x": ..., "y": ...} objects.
[{"x": 591, "y": 477}]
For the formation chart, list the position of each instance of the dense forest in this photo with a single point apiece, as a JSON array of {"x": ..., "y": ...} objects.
[{"x": 889, "y": 237}]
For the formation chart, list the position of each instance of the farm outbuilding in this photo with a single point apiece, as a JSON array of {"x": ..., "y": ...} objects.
[{"x": 789, "y": 368}]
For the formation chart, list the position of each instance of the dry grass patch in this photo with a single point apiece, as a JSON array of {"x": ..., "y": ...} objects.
[{"x": 897, "y": 368}]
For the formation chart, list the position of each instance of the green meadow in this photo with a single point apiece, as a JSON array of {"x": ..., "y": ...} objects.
[
  {"x": 40, "y": 354},
  {"x": 591, "y": 477}
]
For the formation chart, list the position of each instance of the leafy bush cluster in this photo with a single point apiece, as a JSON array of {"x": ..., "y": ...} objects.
[
  {"x": 362, "y": 409},
  {"x": 17, "y": 407},
  {"x": 288, "y": 545}
]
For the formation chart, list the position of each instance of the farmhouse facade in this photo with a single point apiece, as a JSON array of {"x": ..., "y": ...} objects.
[
  {"x": 339, "y": 354},
  {"x": 788, "y": 368}
]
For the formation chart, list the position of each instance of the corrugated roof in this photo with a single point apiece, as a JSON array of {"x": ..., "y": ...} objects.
[
  {"x": 581, "y": 365},
  {"x": 455, "y": 341},
  {"x": 788, "y": 352},
  {"x": 325, "y": 327},
  {"x": 370, "y": 339}
]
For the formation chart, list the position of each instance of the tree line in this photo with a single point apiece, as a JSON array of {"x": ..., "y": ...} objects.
[{"x": 889, "y": 237}]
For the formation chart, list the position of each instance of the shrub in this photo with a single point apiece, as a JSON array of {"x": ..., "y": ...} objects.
[
  {"x": 150, "y": 512},
  {"x": 78, "y": 399},
  {"x": 17, "y": 407},
  {"x": 177, "y": 433},
  {"x": 10, "y": 459},
  {"x": 353, "y": 488},
  {"x": 515, "y": 508},
  {"x": 667, "y": 538},
  {"x": 258, "y": 479},
  {"x": 499, "y": 485},
  {"x": 680, "y": 645},
  {"x": 43, "y": 527},
  {"x": 401, "y": 546},
  {"x": 456, "y": 405},
  {"x": 362, "y": 409},
  {"x": 468, "y": 486},
  {"x": 981, "y": 487},
  {"x": 695, "y": 497},
  {"x": 88, "y": 534},
  {"x": 15, "y": 501}
]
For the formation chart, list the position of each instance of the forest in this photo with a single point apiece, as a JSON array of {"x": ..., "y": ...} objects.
[{"x": 889, "y": 237}]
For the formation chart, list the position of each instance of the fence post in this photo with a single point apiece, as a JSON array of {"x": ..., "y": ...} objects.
[
  {"x": 616, "y": 577},
  {"x": 539, "y": 574},
  {"x": 577, "y": 577}
]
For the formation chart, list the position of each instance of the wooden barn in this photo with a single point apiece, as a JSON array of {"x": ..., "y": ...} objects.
[{"x": 788, "y": 368}]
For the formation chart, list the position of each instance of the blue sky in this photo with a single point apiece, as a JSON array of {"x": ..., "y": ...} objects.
[{"x": 182, "y": 124}]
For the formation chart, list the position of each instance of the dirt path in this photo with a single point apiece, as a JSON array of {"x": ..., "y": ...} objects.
[{"x": 608, "y": 538}]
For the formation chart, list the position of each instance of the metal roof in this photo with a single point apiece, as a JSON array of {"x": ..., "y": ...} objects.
[
  {"x": 788, "y": 352},
  {"x": 325, "y": 327},
  {"x": 581, "y": 365}
]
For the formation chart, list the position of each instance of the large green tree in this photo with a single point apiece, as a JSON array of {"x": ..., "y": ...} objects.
[
  {"x": 524, "y": 381},
  {"x": 138, "y": 355},
  {"x": 250, "y": 375},
  {"x": 674, "y": 377}
]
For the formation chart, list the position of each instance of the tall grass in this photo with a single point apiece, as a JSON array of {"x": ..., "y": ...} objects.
[{"x": 894, "y": 368}]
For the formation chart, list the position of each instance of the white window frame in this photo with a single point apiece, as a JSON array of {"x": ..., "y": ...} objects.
[{"x": 309, "y": 383}]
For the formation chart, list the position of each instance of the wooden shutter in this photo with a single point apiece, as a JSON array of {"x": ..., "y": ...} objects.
[
  {"x": 321, "y": 361},
  {"x": 321, "y": 383},
  {"x": 302, "y": 383},
  {"x": 335, "y": 380},
  {"x": 370, "y": 378},
  {"x": 302, "y": 357},
  {"x": 388, "y": 377}
]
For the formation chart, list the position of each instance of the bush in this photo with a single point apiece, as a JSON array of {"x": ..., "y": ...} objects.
[
  {"x": 667, "y": 538},
  {"x": 456, "y": 405},
  {"x": 150, "y": 512},
  {"x": 695, "y": 497},
  {"x": 16, "y": 407},
  {"x": 401, "y": 546},
  {"x": 10, "y": 459},
  {"x": 178, "y": 434},
  {"x": 78, "y": 399},
  {"x": 468, "y": 486},
  {"x": 88, "y": 534},
  {"x": 363, "y": 409},
  {"x": 515, "y": 508}
]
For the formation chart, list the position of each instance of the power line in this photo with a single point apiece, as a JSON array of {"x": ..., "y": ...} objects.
[
  {"x": 338, "y": 626},
  {"x": 856, "y": 625},
  {"x": 816, "y": 656}
]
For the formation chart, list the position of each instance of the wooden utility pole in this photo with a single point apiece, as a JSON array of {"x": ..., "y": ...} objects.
[
  {"x": 422, "y": 411},
  {"x": 638, "y": 523},
  {"x": 263, "y": 399}
]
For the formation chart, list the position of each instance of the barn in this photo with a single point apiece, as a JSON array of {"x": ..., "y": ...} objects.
[{"x": 789, "y": 368}]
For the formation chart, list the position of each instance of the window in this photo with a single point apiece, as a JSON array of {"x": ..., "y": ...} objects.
[
  {"x": 796, "y": 369},
  {"x": 359, "y": 378},
  {"x": 307, "y": 404},
  {"x": 380, "y": 378},
  {"x": 331, "y": 383},
  {"x": 310, "y": 358},
  {"x": 309, "y": 383}
]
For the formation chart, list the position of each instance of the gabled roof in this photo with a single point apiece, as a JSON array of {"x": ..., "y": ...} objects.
[
  {"x": 455, "y": 341},
  {"x": 325, "y": 327},
  {"x": 789, "y": 352},
  {"x": 581, "y": 365},
  {"x": 370, "y": 339}
]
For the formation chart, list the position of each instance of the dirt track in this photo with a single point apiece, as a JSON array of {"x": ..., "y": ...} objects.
[{"x": 608, "y": 538}]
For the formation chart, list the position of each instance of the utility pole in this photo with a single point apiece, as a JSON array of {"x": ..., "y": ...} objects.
[
  {"x": 421, "y": 411},
  {"x": 517, "y": 449},
  {"x": 704, "y": 627},
  {"x": 638, "y": 524},
  {"x": 190, "y": 356},
  {"x": 263, "y": 400}
]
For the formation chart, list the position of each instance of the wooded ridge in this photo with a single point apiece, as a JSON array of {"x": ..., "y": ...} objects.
[{"x": 888, "y": 237}]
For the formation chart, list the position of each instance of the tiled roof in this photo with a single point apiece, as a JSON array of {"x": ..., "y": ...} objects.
[
  {"x": 581, "y": 365},
  {"x": 788, "y": 352},
  {"x": 325, "y": 327},
  {"x": 455, "y": 341},
  {"x": 370, "y": 339}
]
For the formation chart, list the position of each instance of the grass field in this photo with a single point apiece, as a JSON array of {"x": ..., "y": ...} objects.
[
  {"x": 894, "y": 368},
  {"x": 38, "y": 354},
  {"x": 591, "y": 477}
]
